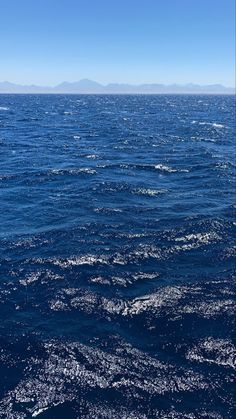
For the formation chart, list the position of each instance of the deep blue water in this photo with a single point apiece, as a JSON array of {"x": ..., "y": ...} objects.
[{"x": 116, "y": 244}]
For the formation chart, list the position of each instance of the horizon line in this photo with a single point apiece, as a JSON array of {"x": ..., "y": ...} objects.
[{"x": 117, "y": 94}]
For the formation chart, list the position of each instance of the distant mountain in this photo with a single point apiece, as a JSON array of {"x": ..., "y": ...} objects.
[
  {"x": 89, "y": 86},
  {"x": 82, "y": 86},
  {"x": 6, "y": 87}
]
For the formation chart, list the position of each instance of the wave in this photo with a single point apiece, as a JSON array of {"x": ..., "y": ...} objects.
[
  {"x": 139, "y": 166},
  {"x": 211, "y": 124},
  {"x": 149, "y": 192},
  {"x": 63, "y": 377},
  {"x": 169, "y": 169},
  {"x": 77, "y": 171},
  {"x": 214, "y": 351}
]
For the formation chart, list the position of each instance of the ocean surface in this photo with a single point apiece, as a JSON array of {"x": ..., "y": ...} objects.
[{"x": 117, "y": 292}]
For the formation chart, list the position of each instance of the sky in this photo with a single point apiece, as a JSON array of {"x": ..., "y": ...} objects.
[{"x": 46, "y": 42}]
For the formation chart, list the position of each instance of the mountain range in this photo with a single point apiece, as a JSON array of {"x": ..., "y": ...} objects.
[{"x": 86, "y": 86}]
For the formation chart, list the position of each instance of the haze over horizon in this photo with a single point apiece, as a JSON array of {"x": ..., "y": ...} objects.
[
  {"x": 133, "y": 42},
  {"x": 86, "y": 86}
]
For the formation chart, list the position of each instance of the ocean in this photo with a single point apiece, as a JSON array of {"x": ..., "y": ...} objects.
[{"x": 117, "y": 289}]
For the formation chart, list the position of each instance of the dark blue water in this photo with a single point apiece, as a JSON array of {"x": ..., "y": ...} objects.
[{"x": 116, "y": 244}]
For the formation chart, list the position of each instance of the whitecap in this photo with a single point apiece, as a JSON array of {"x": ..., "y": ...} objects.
[
  {"x": 81, "y": 260},
  {"x": 164, "y": 168},
  {"x": 4, "y": 108},
  {"x": 39, "y": 411},
  {"x": 88, "y": 170},
  {"x": 211, "y": 140},
  {"x": 218, "y": 125},
  {"x": 213, "y": 124},
  {"x": 91, "y": 156},
  {"x": 68, "y": 171},
  {"x": 107, "y": 210},
  {"x": 149, "y": 192},
  {"x": 169, "y": 169},
  {"x": 146, "y": 276}
]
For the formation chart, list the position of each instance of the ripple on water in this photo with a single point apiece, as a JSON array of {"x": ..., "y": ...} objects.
[{"x": 117, "y": 291}]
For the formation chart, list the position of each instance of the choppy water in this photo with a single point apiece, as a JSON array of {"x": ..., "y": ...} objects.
[{"x": 117, "y": 243}]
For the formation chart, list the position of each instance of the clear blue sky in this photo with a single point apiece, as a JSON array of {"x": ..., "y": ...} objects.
[{"x": 134, "y": 41}]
